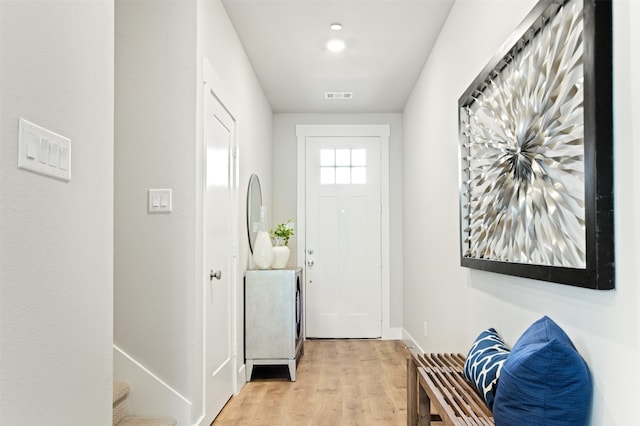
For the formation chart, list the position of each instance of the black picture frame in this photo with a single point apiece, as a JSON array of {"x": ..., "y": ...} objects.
[{"x": 597, "y": 271}]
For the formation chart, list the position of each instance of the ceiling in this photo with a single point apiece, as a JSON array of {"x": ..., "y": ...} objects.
[{"x": 387, "y": 41}]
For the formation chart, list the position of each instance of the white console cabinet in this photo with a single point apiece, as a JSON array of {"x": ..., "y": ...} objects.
[{"x": 274, "y": 331}]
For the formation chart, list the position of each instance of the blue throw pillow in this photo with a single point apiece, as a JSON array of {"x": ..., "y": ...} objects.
[
  {"x": 542, "y": 331},
  {"x": 484, "y": 362},
  {"x": 544, "y": 381}
]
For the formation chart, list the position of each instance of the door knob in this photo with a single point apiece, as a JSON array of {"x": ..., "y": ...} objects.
[
  {"x": 310, "y": 263},
  {"x": 217, "y": 275}
]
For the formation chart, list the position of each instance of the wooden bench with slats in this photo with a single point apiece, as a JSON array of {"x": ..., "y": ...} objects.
[{"x": 435, "y": 381}]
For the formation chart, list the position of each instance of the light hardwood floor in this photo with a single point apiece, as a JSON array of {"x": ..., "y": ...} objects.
[{"x": 339, "y": 383}]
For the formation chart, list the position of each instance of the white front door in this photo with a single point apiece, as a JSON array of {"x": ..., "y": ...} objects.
[
  {"x": 343, "y": 237},
  {"x": 219, "y": 128}
]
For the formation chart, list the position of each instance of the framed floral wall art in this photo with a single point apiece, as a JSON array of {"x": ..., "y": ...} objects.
[{"x": 536, "y": 150}]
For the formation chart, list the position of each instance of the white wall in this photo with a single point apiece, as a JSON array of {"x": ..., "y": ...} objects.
[
  {"x": 155, "y": 110},
  {"x": 160, "y": 48},
  {"x": 56, "y": 250},
  {"x": 285, "y": 184},
  {"x": 457, "y": 303}
]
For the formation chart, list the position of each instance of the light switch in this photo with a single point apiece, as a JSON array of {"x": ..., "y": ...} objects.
[
  {"x": 32, "y": 149},
  {"x": 54, "y": 154},
  {"x": 164, "y": 200},
  {"x": 65, "y": 159},
  {"x": 159, "y": 201},
  {"x": 43, "y": 151}
]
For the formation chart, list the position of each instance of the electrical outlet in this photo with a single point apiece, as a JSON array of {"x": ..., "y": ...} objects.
[{"x": 424, "y": 329}]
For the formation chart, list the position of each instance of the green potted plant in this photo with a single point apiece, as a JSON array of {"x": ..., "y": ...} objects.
[{"x": 280, "y": 236}]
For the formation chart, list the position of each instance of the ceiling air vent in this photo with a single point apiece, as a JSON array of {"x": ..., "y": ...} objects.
[{"x": 338, "y": 95}]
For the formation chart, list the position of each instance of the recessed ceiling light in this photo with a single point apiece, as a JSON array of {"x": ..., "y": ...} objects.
[
  {"x": 336, "y": 45},
  {"x": 336, "y": 26}
]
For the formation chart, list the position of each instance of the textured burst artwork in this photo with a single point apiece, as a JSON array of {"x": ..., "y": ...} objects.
[{"x": 533, "y": 127}]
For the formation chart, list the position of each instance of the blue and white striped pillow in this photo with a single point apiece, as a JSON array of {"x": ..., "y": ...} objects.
[{"x": 484, "y": 363}]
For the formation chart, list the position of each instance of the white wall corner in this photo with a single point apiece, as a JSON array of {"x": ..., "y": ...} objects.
[
  {"x": 392, "y": 333},
  {"x": 149, "y": 395},
  {"x": 411, "y": 343}
]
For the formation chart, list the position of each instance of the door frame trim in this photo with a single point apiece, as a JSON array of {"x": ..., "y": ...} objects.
[{"x": 355, "y": 130}]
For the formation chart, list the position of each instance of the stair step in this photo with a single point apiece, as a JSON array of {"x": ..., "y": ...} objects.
[
  {"x": 148, "y": 421},
  {"x": 120, "y": 390}
]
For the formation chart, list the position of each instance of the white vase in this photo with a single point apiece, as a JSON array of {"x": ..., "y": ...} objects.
[
  {"x": 262, "y": 251},
  {"x": 280, "y": 257}
]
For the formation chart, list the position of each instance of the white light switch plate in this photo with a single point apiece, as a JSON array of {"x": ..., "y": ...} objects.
[
  {"x": 42, "y": 151},
  {"x": 159, "y": 201}
]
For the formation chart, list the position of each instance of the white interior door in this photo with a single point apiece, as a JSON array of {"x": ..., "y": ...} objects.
[
  {"x": 343, "y": 237},
  {"x": 219, "y": 129}
]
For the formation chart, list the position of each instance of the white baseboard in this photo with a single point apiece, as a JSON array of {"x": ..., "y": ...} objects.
[
  {"x": 411, "y": 342},
  {"x": 149, "y": 395},
  {"x": 241, "y": 379}
]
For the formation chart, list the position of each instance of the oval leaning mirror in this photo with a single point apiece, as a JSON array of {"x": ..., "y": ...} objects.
[{"x": 254, "y": 201}]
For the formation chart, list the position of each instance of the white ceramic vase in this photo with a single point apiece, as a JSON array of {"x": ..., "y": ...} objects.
[
  {"x": 263, "y": 251},
  {"x": 280, "y": 257}
]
